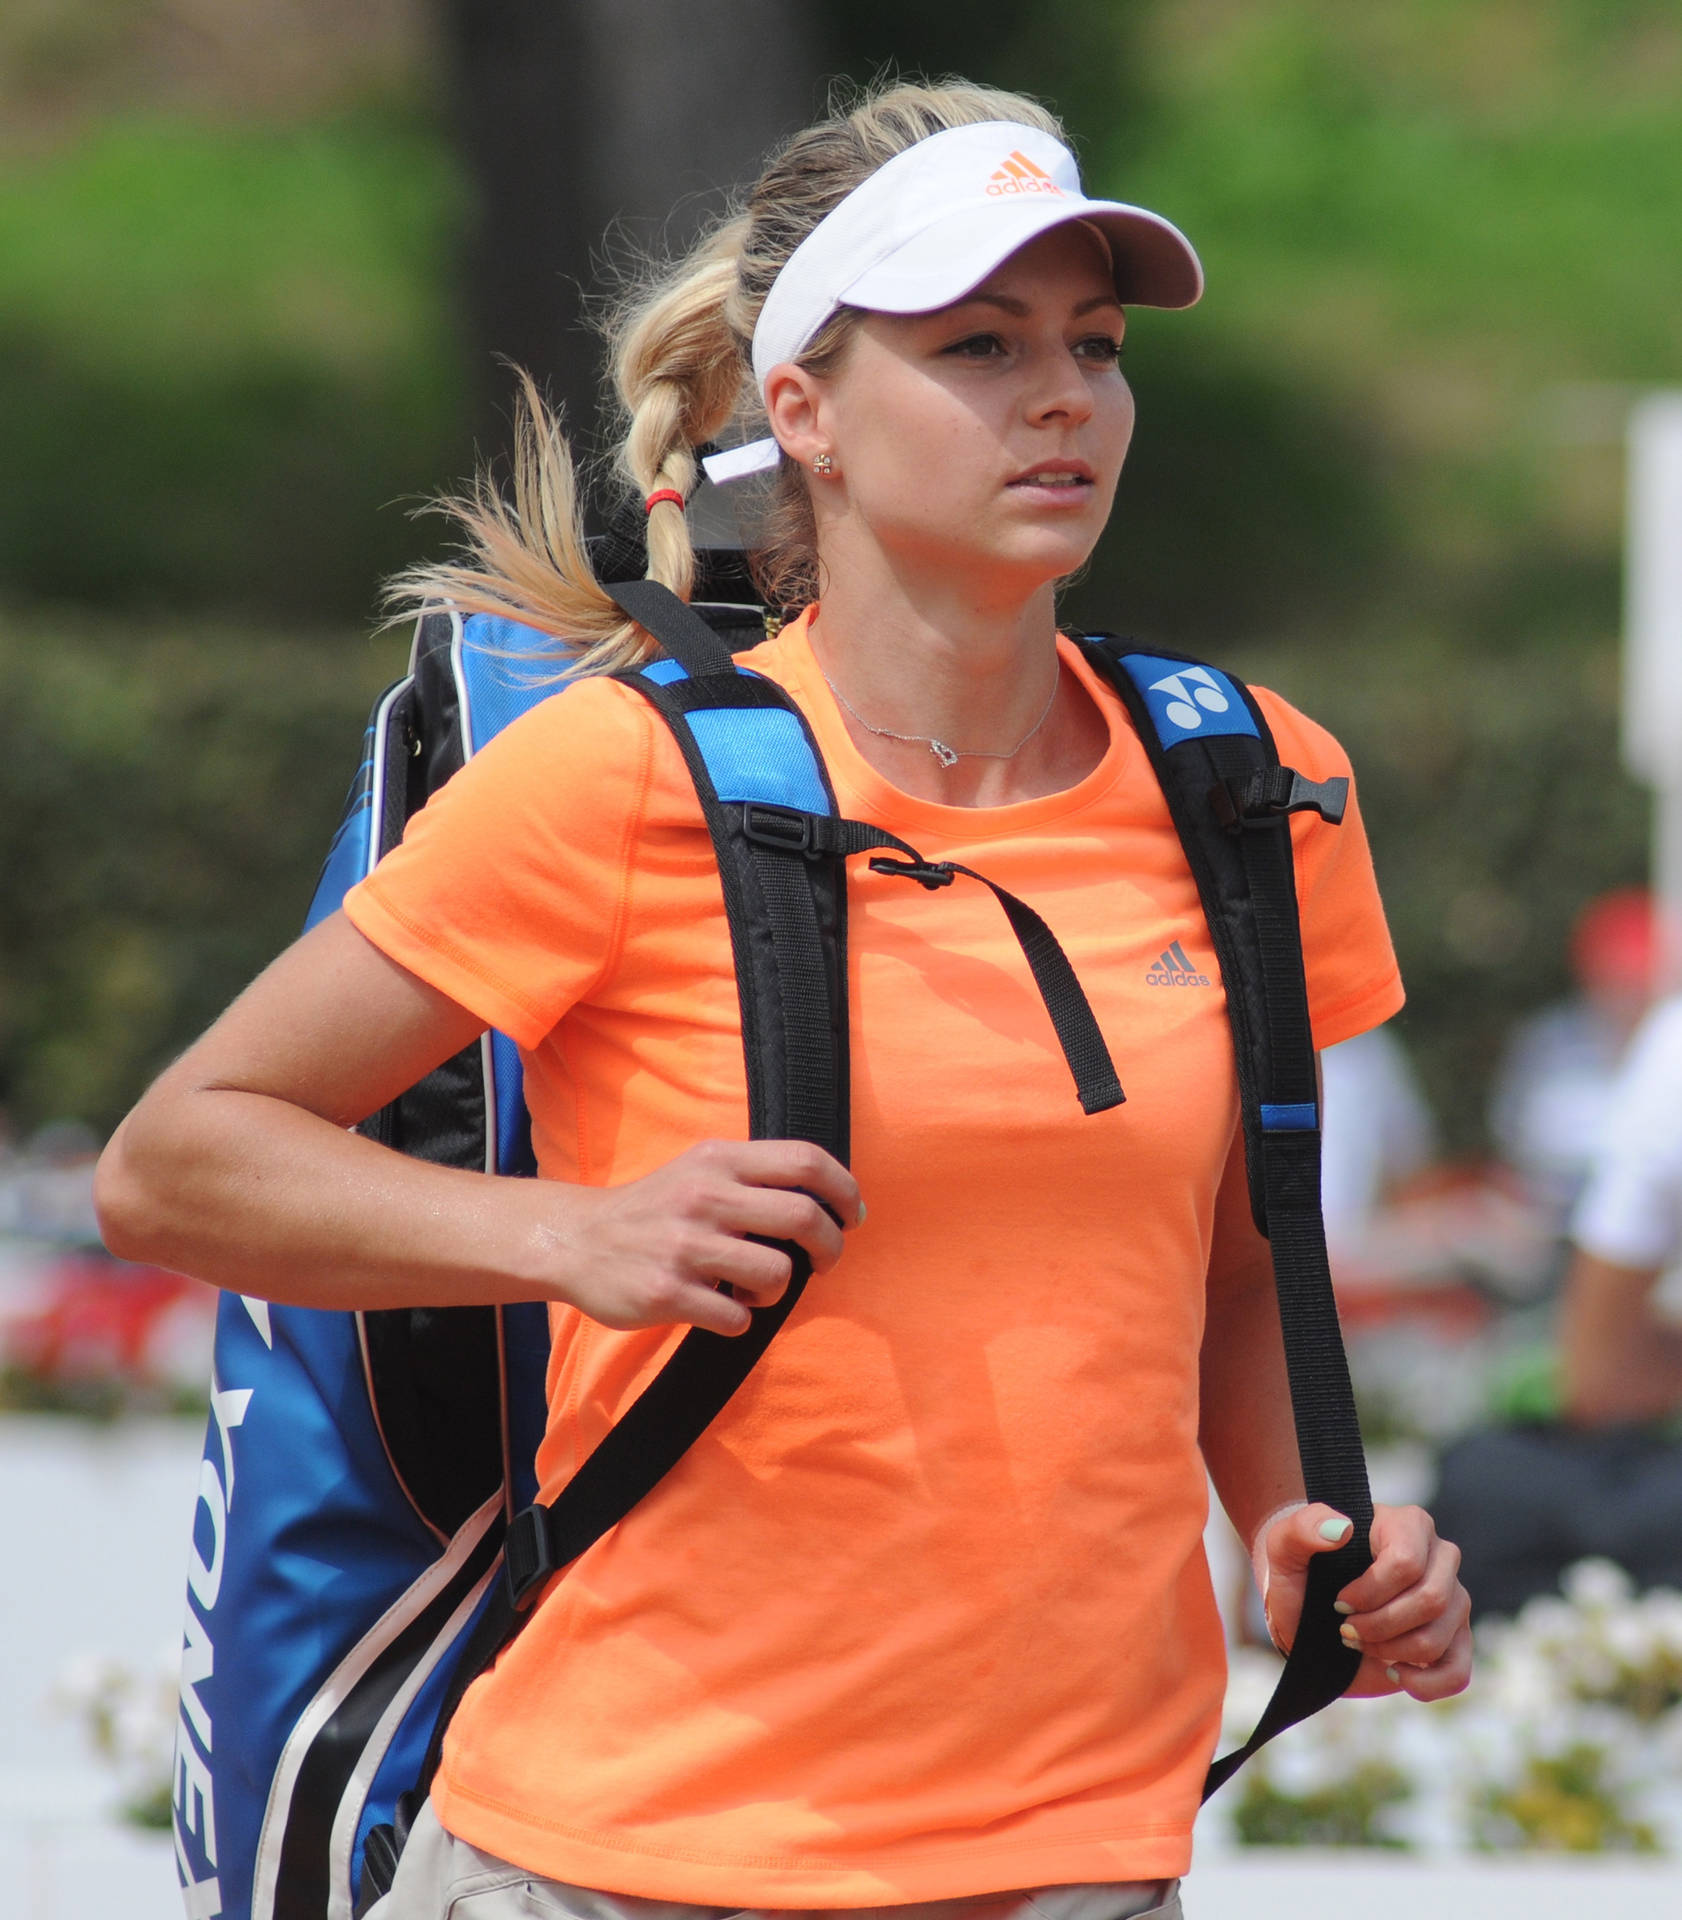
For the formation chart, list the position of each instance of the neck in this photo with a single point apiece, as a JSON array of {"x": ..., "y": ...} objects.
[{"x": 943, "y": 661}]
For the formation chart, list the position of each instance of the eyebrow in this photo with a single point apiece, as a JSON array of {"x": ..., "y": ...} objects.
[{"x": 1018, "y": 309}]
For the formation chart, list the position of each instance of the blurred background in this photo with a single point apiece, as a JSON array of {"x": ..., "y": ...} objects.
[{"x": 260, "y": 264}]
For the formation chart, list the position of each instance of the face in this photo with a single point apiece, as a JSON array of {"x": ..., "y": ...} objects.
[{"x": 983, "y": 440}]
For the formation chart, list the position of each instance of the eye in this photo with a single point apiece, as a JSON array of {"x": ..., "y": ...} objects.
[
  {"x": 977, "y": 346},
  {"x": 1104, "y": 349}
]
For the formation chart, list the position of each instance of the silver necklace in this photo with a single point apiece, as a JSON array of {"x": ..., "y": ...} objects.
[{"x": 949, "y": 756}]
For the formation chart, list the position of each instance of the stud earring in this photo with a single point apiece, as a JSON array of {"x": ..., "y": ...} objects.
[{"x": 823, "y": 465}]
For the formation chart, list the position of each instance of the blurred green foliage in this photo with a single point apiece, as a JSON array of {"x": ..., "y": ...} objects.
[
  {"x": 1379, "y": 468},
  {"x": 1564, "y": 1803},
  {"x": 227, "y": 357},
  {"x": 1353, "y": 1811},
  {"x": 166, "y": 798}
]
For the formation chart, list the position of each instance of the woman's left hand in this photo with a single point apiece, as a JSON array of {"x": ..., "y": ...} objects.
[{"x": 1408, "y": 1613}]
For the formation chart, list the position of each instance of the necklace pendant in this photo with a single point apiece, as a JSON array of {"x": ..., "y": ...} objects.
[{"x": 947, "y": 756}]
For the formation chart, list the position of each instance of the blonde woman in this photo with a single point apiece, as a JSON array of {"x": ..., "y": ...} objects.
[{"x": 923, "y": 1620}]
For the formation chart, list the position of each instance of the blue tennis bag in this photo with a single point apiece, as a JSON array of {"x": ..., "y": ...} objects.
[
  {"x": 367, "y": 1535},
  {"x": 360, "y": 1468}
]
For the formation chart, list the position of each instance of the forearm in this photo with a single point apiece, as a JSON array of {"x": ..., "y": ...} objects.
[
  {"x": 1619, "y": 1361},
  {"x": 239, "y": 1166},
  {"x": 1245, "y": 1426},
  {"x": 251, "y": 1193}
]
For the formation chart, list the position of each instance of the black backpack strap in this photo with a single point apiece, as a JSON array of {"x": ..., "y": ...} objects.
[
  {"x": 770, "y": 809},
  {"x": 744, "y": 742},
  {"x": 1231, "y": 801},
  {"x": 683, "y": 635},
  {"x": 1072, "y": 1019}
]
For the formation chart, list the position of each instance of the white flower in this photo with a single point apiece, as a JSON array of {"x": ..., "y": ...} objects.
[
  {"x": 1597, "y": 1584},
  {"x": 1630, "y": 1638},
  {"x": 1523, "y": 1683},
  {"x": 1545, "y": 1620},
  {"x": 88, "y": 1681}
]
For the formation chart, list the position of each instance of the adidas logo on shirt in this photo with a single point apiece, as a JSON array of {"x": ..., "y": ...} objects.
[
  {"x": 1173, "y": 969},
  {"x": 1020, "y": 175}
]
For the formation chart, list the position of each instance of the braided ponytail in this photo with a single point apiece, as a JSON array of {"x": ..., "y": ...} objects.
[
  {"x": 679, "y": 369},
  {"x": 681, "y": 348}
]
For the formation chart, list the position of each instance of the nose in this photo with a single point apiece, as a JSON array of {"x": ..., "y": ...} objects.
[{"x": 1061, "y": 388}]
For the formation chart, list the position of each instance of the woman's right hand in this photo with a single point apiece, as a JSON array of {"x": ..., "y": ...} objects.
[
  {"x": 239, "y": 1166},
  {"x": 656, "y": 1251}
]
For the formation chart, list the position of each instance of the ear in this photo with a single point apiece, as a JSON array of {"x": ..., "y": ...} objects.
[{"x": 795, "y": 406}]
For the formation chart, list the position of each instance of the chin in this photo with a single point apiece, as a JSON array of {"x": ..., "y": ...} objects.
[
  {"x": 1019, "y": 560},
  {"x": 1044, "y": 561}
]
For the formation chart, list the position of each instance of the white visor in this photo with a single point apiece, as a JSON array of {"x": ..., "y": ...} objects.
[{"x": 932, "y": 223}]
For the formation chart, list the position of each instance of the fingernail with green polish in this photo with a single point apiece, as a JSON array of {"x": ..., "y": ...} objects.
[
  {"x": 1342, "y": 1606},
  {"x": 1394, "y": 1675},
  {"x": 1336, "y": 1529},
  {"x": 1348, "y": 1635}
]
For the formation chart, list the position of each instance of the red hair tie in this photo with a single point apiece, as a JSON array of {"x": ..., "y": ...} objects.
[{"x": 659, "y": 494}]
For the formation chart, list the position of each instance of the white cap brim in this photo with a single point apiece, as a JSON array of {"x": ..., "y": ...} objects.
[{"x": 1155, "y": 265}]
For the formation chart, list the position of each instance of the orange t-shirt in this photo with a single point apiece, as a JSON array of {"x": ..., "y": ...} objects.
[{"x": 925, "y": 1613}]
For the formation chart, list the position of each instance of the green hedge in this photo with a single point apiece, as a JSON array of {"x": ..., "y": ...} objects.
[
  {"x": 166, "y": 797},
  {"x": 227, "y": 364}
]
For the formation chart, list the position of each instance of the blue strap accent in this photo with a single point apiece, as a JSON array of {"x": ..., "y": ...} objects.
[
  {"x": 513, "y": 1122},
  {"x": 508, "y": 669},
  {"x": 1188, "y": 702},
  {"x": 759, "y": 753},
  {"x": 664, "y": 672},
  {"x": 347, "y": 861},
  {"x": 1302, "y": 1116}
]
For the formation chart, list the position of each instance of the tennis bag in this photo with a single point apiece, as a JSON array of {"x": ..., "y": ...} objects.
[{"x": 367, "y": 1536}]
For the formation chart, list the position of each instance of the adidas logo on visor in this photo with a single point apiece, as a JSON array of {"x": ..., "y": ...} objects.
[
  {"x": 1020, "y": 175},
  {"x": 1173, "y": 969}
]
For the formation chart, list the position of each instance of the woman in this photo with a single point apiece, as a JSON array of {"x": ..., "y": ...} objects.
[{"x": 924, "y": 1617}]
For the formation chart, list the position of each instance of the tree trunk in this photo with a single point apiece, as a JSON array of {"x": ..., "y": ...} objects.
[{"x": 589, "y": 128}]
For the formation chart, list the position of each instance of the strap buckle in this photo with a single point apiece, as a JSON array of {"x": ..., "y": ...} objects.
[
  {"x": 927, "y": 873},
  {"x": 526, "y": 1560},
  {"x": 785, "y": 829},
  {"x": 1257, "y": 799}
]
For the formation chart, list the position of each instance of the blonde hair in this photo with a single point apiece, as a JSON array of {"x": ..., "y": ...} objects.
[{"x": 680, "y": 344}]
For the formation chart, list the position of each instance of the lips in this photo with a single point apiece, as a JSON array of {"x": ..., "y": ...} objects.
[{"x": 1065, "y": 475}]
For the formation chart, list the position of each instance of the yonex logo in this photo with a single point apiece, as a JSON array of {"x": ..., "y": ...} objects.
[
  {"x": 1173, "y": 969},
  {"x": 1189, "y": 684},
  {"x": 1019, "y": 174}
]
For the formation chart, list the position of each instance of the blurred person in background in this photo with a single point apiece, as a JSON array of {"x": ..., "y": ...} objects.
[
  {"x": 1549, "y": 1098},
  {"x": 1379, "y": 1135},
  {"x": 1620, "y": 1329},
  {"x": 1605, "y": 1479}
]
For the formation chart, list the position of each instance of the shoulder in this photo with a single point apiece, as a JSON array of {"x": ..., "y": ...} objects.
[
  {"x": 592, "y": 715},
  {"x": 1655, "y": 1054},
  {"x": 1303, "y": 743},
  {"x": 592, "y": 737}
]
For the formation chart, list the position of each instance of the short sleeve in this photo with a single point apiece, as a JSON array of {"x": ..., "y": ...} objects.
[
  {"x": 1353, "y": 981},
  {"x": 508, "y": 892},
  {"x": 1631, "y": 1210}
]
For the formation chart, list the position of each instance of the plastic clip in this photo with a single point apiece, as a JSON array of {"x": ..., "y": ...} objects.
[
  {"x": 526, "y": 1561},
  {"x": 926, "y": 873},
  {"x": 785, "y": 829},
  {"x": 1256, "y": 799}
]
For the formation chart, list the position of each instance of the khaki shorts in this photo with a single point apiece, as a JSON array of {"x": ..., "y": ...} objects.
[{"x": 443, "y": 1878}]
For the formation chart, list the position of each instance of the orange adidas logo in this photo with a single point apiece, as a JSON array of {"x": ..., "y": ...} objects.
[{"x": 1020, "y": 175}]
